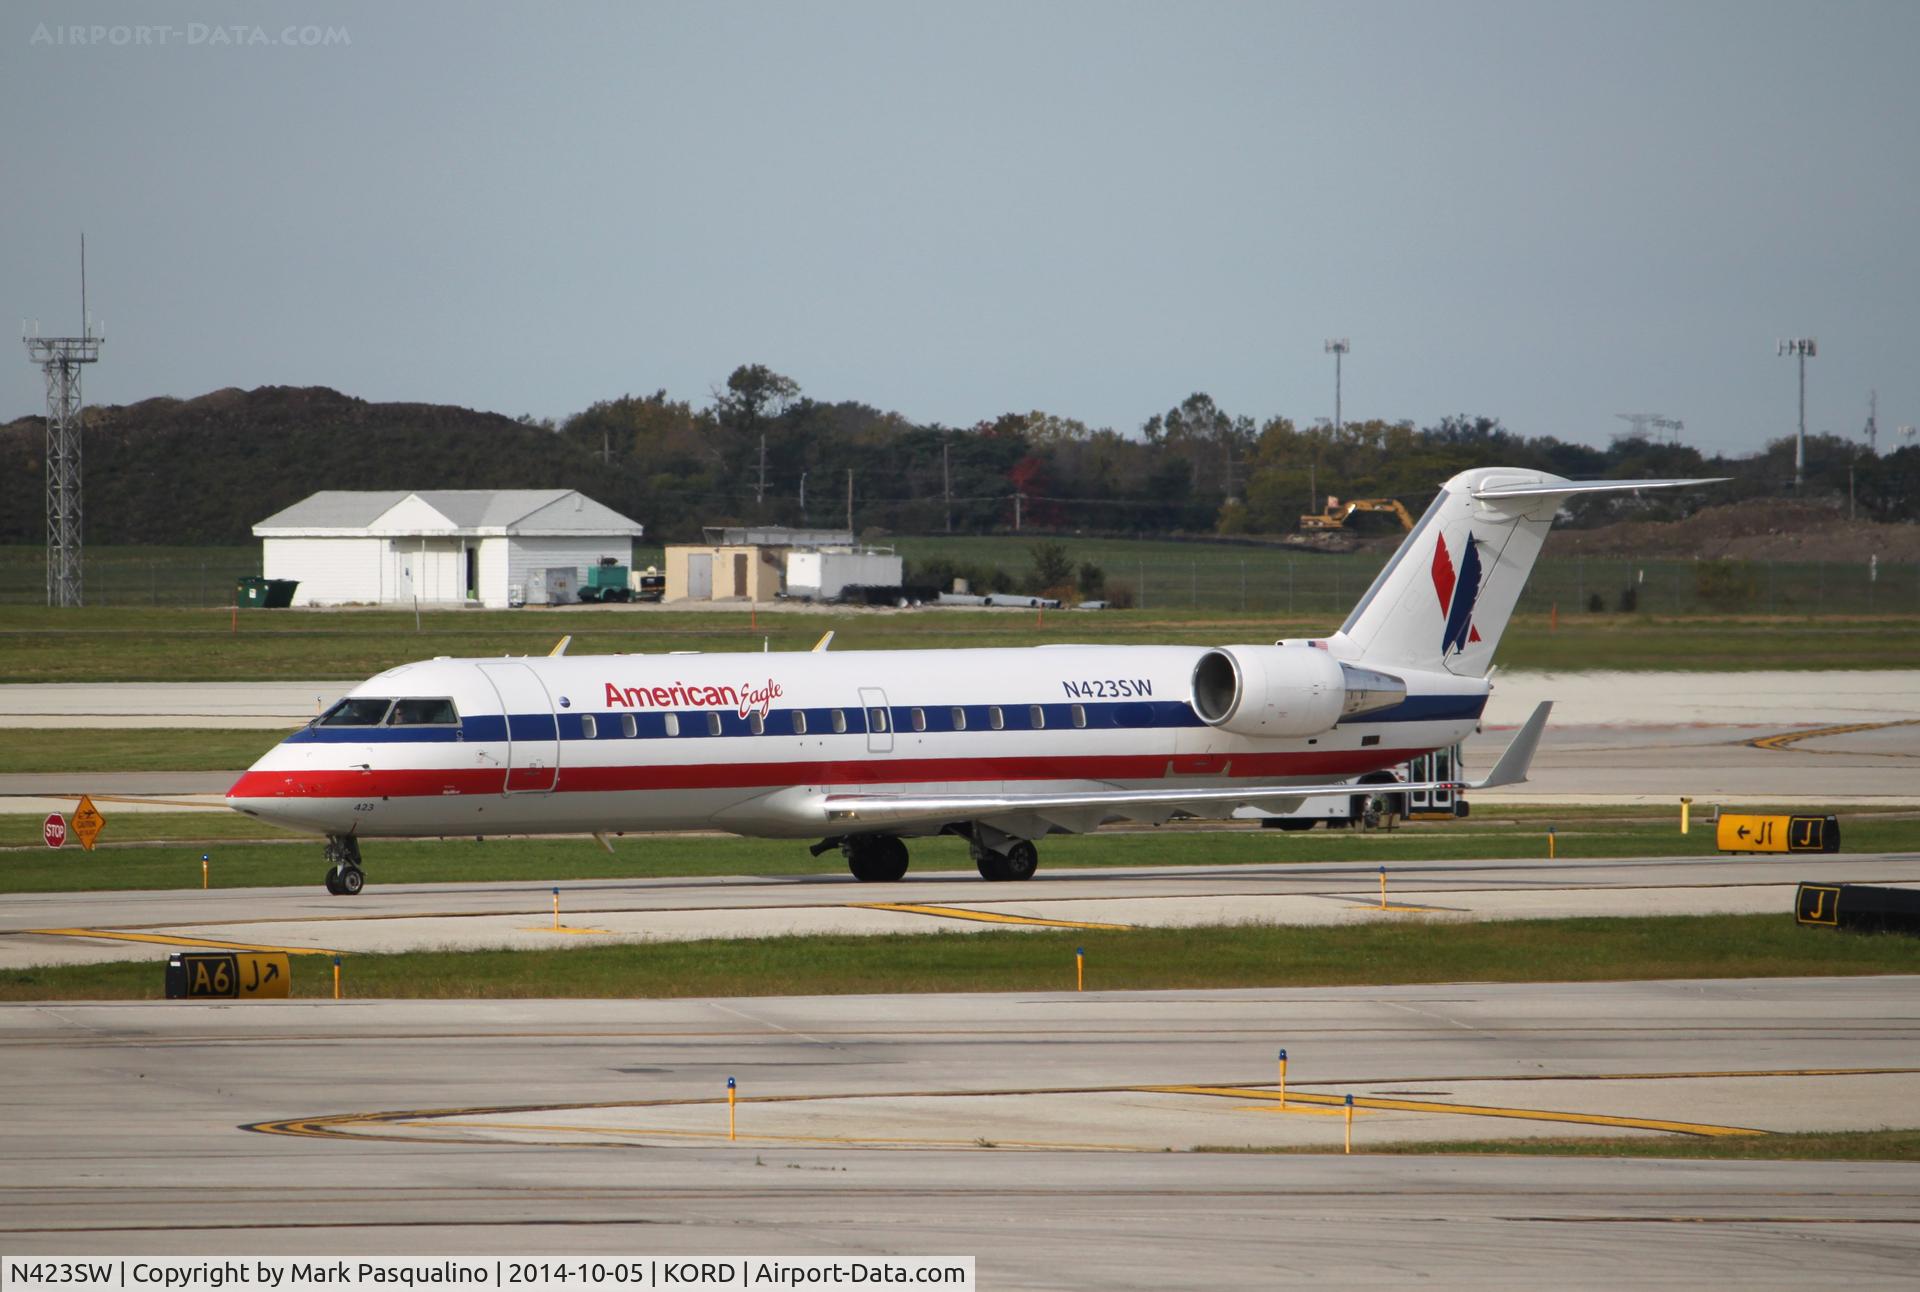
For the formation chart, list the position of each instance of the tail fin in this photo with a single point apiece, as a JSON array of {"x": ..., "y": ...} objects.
[{"x": 1445, "y": 597}]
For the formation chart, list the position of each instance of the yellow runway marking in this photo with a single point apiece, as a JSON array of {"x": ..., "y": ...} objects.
[
  {"x": 168, "y": 940},
  {"x": 984, "y": 917},
  {"x": 1786, "y": 738},
  {"x": 564, "y": 928},
  {"x": 1418, "y": 910},
  {"x": 1468, "y": 1110}
]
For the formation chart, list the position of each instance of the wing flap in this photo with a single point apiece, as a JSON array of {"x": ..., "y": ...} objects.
[{"x": 1079, "y": 811}]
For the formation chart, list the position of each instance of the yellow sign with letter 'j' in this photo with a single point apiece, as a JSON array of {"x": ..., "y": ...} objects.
[{"x": 1739, "y": 832}]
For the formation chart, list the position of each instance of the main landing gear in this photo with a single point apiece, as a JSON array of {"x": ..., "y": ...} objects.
[
  {"x": 344, "y": 878},
  {"x": 1019, "y": 860},
  {"x": 882, "y": 858},
  {"x": 875, "y": 858}
]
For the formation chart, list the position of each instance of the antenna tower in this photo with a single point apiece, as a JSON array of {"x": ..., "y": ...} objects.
[
  {"x": 1651, "y": 426},
  {"x": 60, "y": 359}
]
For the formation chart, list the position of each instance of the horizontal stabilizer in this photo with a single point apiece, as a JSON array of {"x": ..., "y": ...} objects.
[{"x": 1568, "y": 488}]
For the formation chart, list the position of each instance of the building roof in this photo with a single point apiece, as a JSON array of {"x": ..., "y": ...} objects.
[
  {"x": 775, "y": 536},
  {"x": 447, "y": 513}
]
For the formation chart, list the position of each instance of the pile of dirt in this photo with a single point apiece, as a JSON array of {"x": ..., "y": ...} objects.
[{"x": 1759, "y": 529}]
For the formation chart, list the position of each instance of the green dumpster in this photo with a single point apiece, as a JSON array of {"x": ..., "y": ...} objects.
[
  {"x": 250, "y": 592},
  {"x": 280, "y": 593}
]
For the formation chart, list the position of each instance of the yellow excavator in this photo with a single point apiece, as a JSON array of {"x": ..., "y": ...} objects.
[{"x": 1326, "y": 531}]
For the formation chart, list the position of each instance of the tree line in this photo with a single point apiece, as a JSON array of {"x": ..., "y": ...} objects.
[{"x": 763, "y": 452}]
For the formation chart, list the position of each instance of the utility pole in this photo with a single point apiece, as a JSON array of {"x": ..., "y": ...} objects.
[
  {"x": 1802, "y": 348},
  {"x": 760, "y": 486},
  {"x": 803, "y": 499},
  {"x": 849, "y": 500},
  {"x": 1338, "y": 348},
  {"x": 1017, "y": 498},
  {"x": 60, "y": 359},
  {"x": 1873, "y": 422},
  {"x": 946, "y": 477}
]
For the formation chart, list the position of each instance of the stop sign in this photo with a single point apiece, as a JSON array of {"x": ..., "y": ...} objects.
[{"x": 55, "y": 830}]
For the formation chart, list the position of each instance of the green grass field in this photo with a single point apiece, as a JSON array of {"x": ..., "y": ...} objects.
[
  {"x": 121, "y": 645},
  {"x": 1563, "y": 950},
  {"x": 158, "y": 851}
]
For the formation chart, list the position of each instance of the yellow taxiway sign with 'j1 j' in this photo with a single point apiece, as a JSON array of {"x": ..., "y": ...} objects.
[{"x": 1743, "y": 832}]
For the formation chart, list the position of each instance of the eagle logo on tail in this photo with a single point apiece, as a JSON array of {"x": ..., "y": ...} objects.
[{"x": 1457, "y": 593}]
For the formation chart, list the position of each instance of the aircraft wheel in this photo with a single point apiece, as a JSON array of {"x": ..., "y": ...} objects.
[
  {"x": 1016, "y": 863},
  {"x": 1021, "y": 861},
  {"x": 333, "y": 882},
  {"x": 346, "y": 881},
  {"x": 877, "y": 859}
]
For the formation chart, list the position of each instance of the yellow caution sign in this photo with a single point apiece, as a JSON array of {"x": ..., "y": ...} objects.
[
  {"x": 1740, "y": 832},
  {"x": 228, "y": 975},
  {"x": 87, "y": 822}
]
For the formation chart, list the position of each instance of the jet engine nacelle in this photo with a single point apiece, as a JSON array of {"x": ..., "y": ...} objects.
[{"x": 1286, "y": 690}]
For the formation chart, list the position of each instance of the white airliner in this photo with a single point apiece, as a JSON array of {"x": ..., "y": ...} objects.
[{"x": 999, "y": 746}]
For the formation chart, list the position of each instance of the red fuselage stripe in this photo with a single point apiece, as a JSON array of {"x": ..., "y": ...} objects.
[{"x": 409, "y": 782}]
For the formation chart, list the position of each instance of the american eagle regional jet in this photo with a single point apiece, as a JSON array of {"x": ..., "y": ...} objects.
[{"x": 863, "y": 750}]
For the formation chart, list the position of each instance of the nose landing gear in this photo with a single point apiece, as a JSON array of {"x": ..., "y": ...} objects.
[{"x": 344, "y": 877}]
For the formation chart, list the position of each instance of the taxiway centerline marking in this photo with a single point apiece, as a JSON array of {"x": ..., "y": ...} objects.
[
  {"x": 1778, "y": 743},
  {"x": 984, "y": 917},
  {"x": 164, "y": 939},
  {"x": 1468, "y": 1110}
]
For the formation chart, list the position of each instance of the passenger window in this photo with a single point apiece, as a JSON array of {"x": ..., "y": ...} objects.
[
  {"x": 713, "y": 724},
  {"x": 756, "y": 724},
  {"x": 423, "y": 713},
  {"x": 995, "y": 719},
  {"x": 959, "y": 719},
  {"x": 876, "y": 719},
  {"x": 1036, "y": 717},
  {"x": 673, "y": 724},
  {"x": 799, "y": 722},
  {"x": 839, "y": 721},
  {"x": 588, "y": 727},
  {"x": 919, "y": 719},
  {"x": 629, "y": 727},
  {"x": 356, "y": 711},
  {"x": 1079, "y": 715}
]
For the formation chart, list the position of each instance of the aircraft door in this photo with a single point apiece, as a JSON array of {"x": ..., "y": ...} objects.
[
  {"x": 533, "y": 737},
  {"x": 873, "y": 702}
]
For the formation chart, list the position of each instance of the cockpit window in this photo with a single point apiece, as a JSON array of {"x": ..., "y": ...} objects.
[
  {"x": 356, "y": 711},
  {"x": 423, "y": 713}
]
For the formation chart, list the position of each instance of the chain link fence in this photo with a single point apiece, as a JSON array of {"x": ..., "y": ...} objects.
[{"x": 1161, "y": 577}]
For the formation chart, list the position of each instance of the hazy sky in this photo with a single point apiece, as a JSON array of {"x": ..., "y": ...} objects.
[{"x": 1548, "y": 212}]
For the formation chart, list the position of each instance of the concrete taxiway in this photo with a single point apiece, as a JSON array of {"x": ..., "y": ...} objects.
[
  {"x": 68, "y": 928},
  {"x": 1047, "y": 1134}
]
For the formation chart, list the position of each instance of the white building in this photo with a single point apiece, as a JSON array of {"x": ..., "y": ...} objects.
[{"x": 490, "y": 547}]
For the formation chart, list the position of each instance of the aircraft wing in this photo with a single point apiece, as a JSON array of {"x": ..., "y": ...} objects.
[{"x": 1083, "y": 810}]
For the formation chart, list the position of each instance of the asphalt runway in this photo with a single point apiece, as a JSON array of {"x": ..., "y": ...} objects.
[
  {"x": 71, "y": 928},
  {"x": 1048, "y": 1135}
]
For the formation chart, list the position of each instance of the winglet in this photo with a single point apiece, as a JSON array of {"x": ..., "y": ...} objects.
[
  {"x": 820, "y": 647},
  {"x": 560, "y": 647},
  {"x": 1514, "y": 764}
]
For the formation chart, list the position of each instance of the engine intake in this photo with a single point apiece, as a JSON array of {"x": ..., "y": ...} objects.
[{"x": 1286, "y": 690}]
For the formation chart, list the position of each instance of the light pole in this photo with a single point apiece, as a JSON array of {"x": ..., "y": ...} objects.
[
  {"x": 1337, "y": 347},
  {"x": 1802, "y": 348}
]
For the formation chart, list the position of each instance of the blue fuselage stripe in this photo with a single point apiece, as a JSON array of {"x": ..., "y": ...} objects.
[{"x": 1129, "y": 715}]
